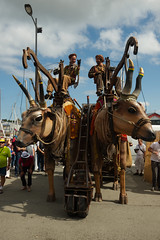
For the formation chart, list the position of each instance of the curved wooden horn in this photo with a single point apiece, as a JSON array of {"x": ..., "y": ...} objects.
[
  {"x": 137, "y": 90},
  {"x": 128, "y": 84},
  {"x": 42, "y": 101},
  {"x": 132, "y": 41},
  {"x": 30, "y": 99},
  {"x": 27, "y": 55}
]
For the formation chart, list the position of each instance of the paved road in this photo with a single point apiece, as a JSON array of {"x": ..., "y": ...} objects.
[{"x": 27, "y": 215}]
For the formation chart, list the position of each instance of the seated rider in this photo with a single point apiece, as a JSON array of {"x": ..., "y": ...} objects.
[
  {"x": 69, "y": 78},
  {"x": 98, "y": 73}
]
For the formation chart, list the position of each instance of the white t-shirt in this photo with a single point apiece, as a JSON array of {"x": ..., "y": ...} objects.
[
  {"x": 141, "y": 150},
  {"x": 156, "y": 147}
]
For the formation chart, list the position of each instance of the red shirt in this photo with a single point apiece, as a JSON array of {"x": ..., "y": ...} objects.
[{"x": 26, "y": 162}]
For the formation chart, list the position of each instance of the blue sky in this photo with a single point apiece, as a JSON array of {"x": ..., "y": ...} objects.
[{"x": 85, "y": 27}]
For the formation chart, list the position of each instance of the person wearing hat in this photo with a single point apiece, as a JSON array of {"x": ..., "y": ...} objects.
[
  {"x": 71, "y": 71},
  {"x": 98, "y": 73},
  {"x": 26, "y": 164},
  {"x": 5, "y": 154}
]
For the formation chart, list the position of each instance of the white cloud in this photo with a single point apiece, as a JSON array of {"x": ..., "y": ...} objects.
[
  {"x": 148, "y": 43},
  {"x": 90, "y": 61},
  {"x": 109, "y": 39},
  {"x": 65, "y": 28}
]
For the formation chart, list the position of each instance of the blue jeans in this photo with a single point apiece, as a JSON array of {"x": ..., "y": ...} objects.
[
  {"x": 40, "y": 158},
  {"x": 18, "y": 155},
  {"x": 12, "y": 160},
  {"x": 25, "y": 170},
  {"x": 3, "y": 171},
  {"x": 155, "y": 174}
]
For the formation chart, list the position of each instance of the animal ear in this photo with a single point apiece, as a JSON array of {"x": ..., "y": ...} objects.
[{"x": 51, "y": 115}]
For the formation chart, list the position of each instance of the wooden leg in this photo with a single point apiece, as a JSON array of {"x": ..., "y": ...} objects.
[
  {"x": 51, "y": 195},
  {"x": 115, "y": 184},
  {"x": 98, "y": 194},
  {"x": 123, "y": 196}
]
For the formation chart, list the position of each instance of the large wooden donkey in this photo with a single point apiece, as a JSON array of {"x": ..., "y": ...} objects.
[
  {"x": 126, "y": 116},
  {"x": 49, "y": 125}
]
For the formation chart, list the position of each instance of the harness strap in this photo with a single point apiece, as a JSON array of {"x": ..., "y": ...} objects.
[
  {"x": 36, "y": 137},
  {"x": 138, "y": 125},
  {"x": 110, "y": 119}
]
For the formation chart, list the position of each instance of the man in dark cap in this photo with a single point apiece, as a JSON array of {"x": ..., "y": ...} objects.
[
  {"x": 70, "y": 73},
  {"x": 98, "y": 73}
]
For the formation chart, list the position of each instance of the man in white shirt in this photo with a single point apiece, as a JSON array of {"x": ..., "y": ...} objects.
[
  {"x": 140, "y": 150},
  {"x": 155, "y": 164}
]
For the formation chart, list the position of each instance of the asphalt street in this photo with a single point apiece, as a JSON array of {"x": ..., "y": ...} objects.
[{"x": 27, "y": 215}]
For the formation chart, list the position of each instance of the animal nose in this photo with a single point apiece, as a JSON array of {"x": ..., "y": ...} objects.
[{"x": 153, "y": 136}]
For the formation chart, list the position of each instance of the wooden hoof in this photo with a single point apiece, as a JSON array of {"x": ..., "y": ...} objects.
[
  {"x": 98, "y": 197},
  {"x": 83, "y": 214},
  {"x": 115, "y": 186},
  {"x": 51, "y": 198},
  {"x": 123, "y": 199}
]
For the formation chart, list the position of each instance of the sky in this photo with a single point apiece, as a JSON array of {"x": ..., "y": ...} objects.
[{"x": 85, "y": 27}]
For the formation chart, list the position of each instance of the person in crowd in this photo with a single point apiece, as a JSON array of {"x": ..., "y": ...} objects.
[
  {"x": 26, "y": 165},
  {"x": 30, "y": 149},
  {"x": 155, "y": 164},
  {"x": 140, "y": 150},
  {"x": 40, "y": 156},
  {"x": 5, "y": 154},
  {"x": 18, "y": 153},
  {"x": 8, "y": 144},
  {"x": 12, "y": 155}
]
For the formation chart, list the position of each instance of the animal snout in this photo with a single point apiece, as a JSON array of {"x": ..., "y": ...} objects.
[{"x": 151, "y": 136}]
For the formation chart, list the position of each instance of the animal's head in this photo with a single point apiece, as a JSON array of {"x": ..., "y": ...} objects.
[
  {"x": 129, "y": 116},
  {"x": 36, "y": 121}
]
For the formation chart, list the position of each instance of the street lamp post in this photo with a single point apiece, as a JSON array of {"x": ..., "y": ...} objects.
[{"x": 28, "y": 9}]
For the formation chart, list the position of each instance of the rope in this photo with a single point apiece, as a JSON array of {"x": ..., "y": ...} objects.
[
  {"x": 145, "y": 104},
  {"x": 45, "y": 143},
  {"x": 130, "y": 122}
]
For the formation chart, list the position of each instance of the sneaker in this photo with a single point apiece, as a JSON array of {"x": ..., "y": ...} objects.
[
  {"x": 29, "y": 189},
  {"x": 152, "y": 189},
  {"x": 24, "y": 188}
]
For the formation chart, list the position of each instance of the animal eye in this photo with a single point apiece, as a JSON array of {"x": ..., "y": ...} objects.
[
  {"x": 132, "y": 110},
  {"x": 39, "y": 118}
]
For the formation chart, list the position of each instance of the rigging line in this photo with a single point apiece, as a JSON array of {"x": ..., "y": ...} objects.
[{"x": 145, "y": 104}]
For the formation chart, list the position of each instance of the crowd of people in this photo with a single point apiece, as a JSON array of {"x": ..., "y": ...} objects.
[
  {"x": 25, "y": 160},
  {"x": 140, "y": 151},
  {"x": 20, "y": 160}
]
